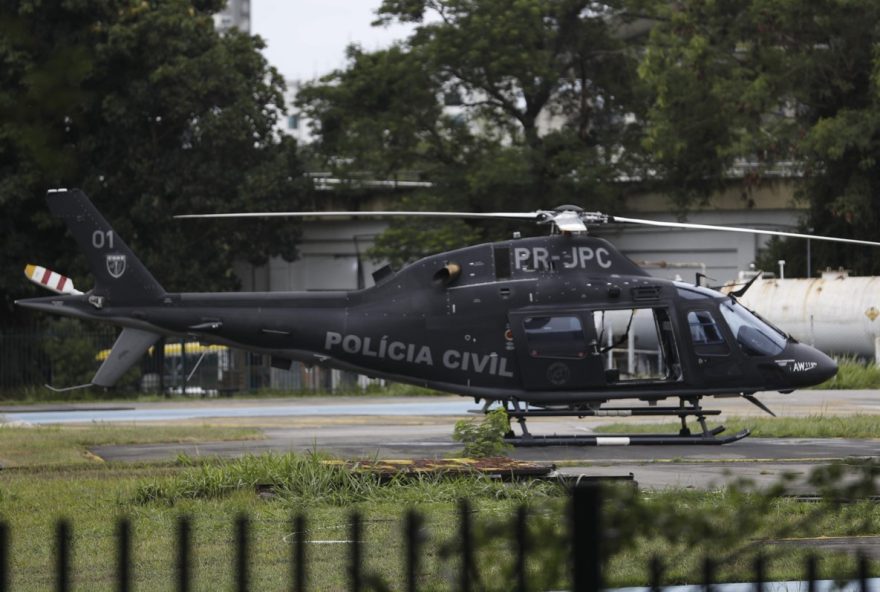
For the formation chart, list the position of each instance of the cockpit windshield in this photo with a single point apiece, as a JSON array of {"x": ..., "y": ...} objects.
[{"x": 755, "y": 336}]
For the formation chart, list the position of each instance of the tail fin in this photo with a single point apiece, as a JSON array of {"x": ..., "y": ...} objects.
[{"x": 119, "y": 274}]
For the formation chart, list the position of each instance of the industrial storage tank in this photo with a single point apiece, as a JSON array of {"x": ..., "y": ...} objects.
[{"x": 836, "y": 313}]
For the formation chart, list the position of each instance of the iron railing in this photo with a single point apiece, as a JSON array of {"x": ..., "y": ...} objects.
[
  {"x": 585, "y": 544},
  {"x": 64, "y": 355}
]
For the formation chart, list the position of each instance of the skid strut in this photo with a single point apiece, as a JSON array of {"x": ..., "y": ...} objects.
[{"x": 686, "y": 408}]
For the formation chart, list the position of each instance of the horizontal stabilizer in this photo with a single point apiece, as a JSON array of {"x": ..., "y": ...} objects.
[
  {"x": 128, "y": 349},
  {"x": 52, "y": 281}
]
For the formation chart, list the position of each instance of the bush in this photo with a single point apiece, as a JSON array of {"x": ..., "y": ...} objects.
[{"x": 485, "y": 438}]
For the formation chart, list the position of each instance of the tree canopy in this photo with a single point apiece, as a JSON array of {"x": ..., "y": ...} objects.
[
  {"x": 149, "y": 110},
  {"x": 501, "y": 105},
  {"x": 524, "y": 104},
  {"x": 780, "y": 87}
]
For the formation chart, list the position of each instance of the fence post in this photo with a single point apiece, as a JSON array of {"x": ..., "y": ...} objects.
[
  {"x": 467, "y": 552},
  {"x": 4, "y": 557},
  {"x": 183, "y": 554},
  {"x": 863, "y": 572},
  {"x": 355, "y": 548},
  {"x": 708, "y": 574},
  {"x": 587, "y": 537},
  {"x": 241, "y": 553},
  {"x": 299, "y": 553},
  {"x": 123, "y": 555},
  {"x": 62, "y": 556},
  {"x": 811, "y": 573},
  {"x": 413, "y": 522},
  {"x": 656, "y": 568},
  {"x": 760, "y": 572},
  {"x": 521, "y": 549}
]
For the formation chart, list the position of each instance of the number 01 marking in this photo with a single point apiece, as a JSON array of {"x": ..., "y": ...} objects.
[{"x": 101, "y": 239}]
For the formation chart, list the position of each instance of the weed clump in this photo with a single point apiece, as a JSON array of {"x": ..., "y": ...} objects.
[
  {"x": 312, "y": 479},
  {"x": 853, "y": 373},
  {"x": 486, "y": 438}
]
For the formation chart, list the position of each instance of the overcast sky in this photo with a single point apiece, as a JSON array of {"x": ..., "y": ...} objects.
[{"x": 307, "y": 38}]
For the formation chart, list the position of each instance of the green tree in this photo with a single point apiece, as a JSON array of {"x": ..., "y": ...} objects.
[
  {"x": 783, "y": 86},
  {"x": 150, "y": 111},
  {"x": 501, "y": 105}
]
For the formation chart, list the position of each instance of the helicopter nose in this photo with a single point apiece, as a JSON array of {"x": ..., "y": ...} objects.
[{"x": 806, "y": 366}]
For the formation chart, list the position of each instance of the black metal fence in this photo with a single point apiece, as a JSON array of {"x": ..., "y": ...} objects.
[
  {"x": 585, "y": 544},
  {"x": 64, "y": 354}
]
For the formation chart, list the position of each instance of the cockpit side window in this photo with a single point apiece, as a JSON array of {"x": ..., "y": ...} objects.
[
  {"x": 703, "y": 328},
  {"x": 754, "y": 336},
  {"x": 706, "y": 334}
]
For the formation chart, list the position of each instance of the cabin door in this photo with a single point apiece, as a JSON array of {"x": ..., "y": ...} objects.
[{"x": 557, "y": 350}]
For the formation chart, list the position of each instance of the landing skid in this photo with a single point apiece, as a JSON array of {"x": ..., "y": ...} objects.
[
  {"x": 710, "y": 438},
  {"x": 687, "y": 407}
]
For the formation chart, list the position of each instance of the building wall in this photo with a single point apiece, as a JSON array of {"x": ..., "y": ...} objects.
[
  {"x": 671, "y": 253},
  {"x": 294, "y": 124},
  {"x": 329, "y": 255}
]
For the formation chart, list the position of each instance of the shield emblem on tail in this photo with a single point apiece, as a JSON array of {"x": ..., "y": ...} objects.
[{"x": 115, "y": 265}]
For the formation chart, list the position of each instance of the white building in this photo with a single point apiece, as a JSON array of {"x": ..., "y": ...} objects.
[
  {"x": 236, "y": 15},
  {"x": 294, "y": 124}
]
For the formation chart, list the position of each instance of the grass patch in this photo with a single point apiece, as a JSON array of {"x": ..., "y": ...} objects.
[
  {"x": 306, "y": 480},
  {"x": 815, "y": 426},
  {"x": 68, "y": 445},
  {"x": 681, "y": 526},
  {"x": 853, "y": 373}
]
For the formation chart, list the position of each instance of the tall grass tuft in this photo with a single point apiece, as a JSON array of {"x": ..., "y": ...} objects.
[
  {"x": 857, "y": 426},
  {"x": 309, "y": 479},
  {"x": 853, "y": 373}
]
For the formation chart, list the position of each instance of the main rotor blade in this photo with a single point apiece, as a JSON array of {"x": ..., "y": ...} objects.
[
  {"x": 363, "y": 214},
  {"x": 740, "y": 229}
]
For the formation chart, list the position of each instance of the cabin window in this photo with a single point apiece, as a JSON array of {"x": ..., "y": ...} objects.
[
  {"x": 704, "y": 331},
  {"x": 555, "y": 337},
  {"x": 502, "y": 262},
  {"x": 706, "y": 334}
]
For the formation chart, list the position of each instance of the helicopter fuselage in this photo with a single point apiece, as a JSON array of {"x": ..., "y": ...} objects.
[{"x": 540, "y": 320}]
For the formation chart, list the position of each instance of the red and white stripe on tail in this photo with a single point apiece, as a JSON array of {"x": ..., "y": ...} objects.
[{"x": 50, "y": 280}]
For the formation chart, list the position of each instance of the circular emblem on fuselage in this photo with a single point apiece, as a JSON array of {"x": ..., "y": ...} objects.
[{"x": 558, "y": 374}]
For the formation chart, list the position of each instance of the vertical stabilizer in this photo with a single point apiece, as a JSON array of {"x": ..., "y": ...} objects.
[{"x": 120, "y": 277}]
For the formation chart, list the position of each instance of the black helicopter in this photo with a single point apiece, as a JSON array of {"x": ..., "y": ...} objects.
[{"x": 524, "y": 323}]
